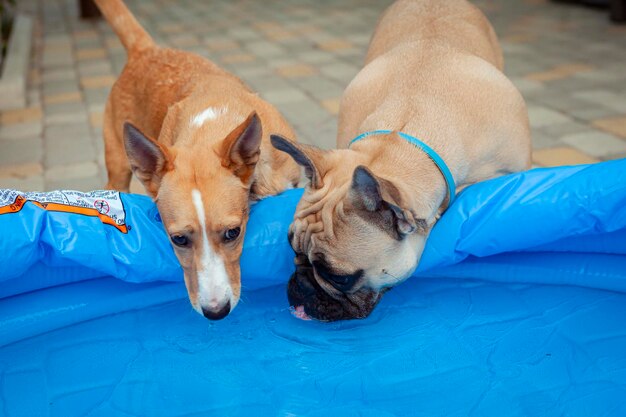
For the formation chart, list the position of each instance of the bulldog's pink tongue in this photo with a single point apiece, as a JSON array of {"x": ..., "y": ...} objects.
[{"x": 298, "y": 312}]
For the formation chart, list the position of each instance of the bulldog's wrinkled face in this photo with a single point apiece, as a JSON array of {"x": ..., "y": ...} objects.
[{"x": 352, "y": 236}]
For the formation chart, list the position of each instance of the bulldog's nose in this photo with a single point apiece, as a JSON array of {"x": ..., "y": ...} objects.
[{"x": 216, "y": 313}]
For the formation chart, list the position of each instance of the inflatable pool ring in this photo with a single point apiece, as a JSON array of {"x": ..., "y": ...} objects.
[{"x": 518, "y": 307}]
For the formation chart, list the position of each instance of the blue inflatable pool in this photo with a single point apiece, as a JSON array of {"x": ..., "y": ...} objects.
[{"x": 518, "y": 308}]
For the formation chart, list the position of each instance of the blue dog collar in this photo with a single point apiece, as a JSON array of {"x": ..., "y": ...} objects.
[{"x": 439, "y": 162}]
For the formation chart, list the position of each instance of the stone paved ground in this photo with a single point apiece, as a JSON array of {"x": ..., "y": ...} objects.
[{"x": 569, "y": 63}]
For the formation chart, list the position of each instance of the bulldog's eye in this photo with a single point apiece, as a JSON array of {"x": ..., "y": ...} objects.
[
  {"x": 232, "y": 234},
  {"x": 180, "y": 240}
]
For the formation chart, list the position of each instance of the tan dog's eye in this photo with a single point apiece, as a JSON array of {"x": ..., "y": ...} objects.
[
  {"x": 180, "y": 240},
  {"x": 232, "y": 234}
]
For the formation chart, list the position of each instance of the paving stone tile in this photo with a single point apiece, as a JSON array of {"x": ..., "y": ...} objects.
[
  {"x": 95, "y": 118},
  {"x": 222, "y": 45},
  {"x": 96, "y": 96},
  {"x": 12, "y": 117},
  {"x": 68, "y": 150},
  {"x": 90, "y": 54},
  {"x": 315, "y": 57},
  {"x": 542, "y": 140},
  {"x": 98, "y": 81},
  {"x": 57, "y": 60},
  {"x": 97, "y": 67},
  {"x": 21, "y": 131},
  {"x": 323, "y": 135},
  {"x": 252, "y": 71},
  {"x": 602, "y": 75},
  {"x": 615, "y": 125},
  {"x": 543, "y": 116},
  {"x": 354, "y": 55},
  {"x": 118, "y": 62},
  {"x": 591, "y": 113},
  {"x": 85, "y": 34},
  {"x": 33, "y": 97},
  {"x": 563, "y": 103},
  {"x": 58, "y": 44},
  {"x": 170, "y": 28},
  {"x": 97, "y": 135},
  {"x": 570, "y": 86},
  {"x": 340, "y": 71},
  {"x": 276, "y": 63},
  {"x": 559, "y": 72},
  {"x": 296, "y": 71},
  {"x": 79, "y": 184},
  {"x": 525, "y": 85},
  {"x": 60, "y": 98},
  {"x": 243, "y": 33},
  {"x": 359, "y": 38},
  {"x": 59, "y": 87},
  {"x": 334, "y": 45},
  {"x": 100, "y": 157},
  {"x": 321, "y": 88},
  {"x": 66, "y": 117},
  {"x": 66, "y": 107},
  {"x": 332, "y": 105},
  {"x": 183, "y": 41},
  {"x": 112, "y": 42},
  {"x": 264, "y": 49},
  {"x": 278, "y": 34},
  {"x": 79, "y": 131},
  {"x": 562, "y": 129},
  {"x": 22, "y": 151},
  {"x": 237, "y": 58},
  {"x": 58, "y": 74},
  {"x": 30, "y": 183},
  {"x": 596, "y": 144},
  {"x": 34, "y": 77},
  {"x": 608, "y": 99},
  {"x": 285, "y": 96},
  {"x": 321, "y": 37},
  {"x": 20, "y": 171},
  {"x": 71, "y": 171},
  {"x": 269, "y": 83},
  {"x": 305, "y": 112},
  {"x": 561, "y": 156}
]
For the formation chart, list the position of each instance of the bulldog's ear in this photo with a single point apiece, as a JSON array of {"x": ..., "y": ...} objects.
[
  {"x": 365, "y": 190},
  {"x": 371, "y": 193},
  {"x": 307, "y": 156},
  {"x": 148, "y": 159},
  {"x": 242, "y": 147}
]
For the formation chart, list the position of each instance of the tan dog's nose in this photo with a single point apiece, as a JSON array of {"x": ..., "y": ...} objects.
[{"x": 216, "y": 313}]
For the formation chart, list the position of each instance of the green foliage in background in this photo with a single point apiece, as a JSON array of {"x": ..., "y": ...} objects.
[{"x": 6, "y": 23}]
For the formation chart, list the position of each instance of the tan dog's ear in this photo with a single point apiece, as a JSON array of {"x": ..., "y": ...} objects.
[
  {"x": 149, "y": 161},
  {"x": 307, "y": 156},
  {"x": 242, "y": 147},
  {"x": 374, "y": 194}
]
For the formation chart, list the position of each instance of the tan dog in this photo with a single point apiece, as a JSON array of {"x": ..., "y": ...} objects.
[
  {"x": 433, "y": 71},
  {"x": 199, "y": 143}
]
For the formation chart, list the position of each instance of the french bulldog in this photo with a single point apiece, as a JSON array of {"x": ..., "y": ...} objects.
[{"x": 433, "y": 71}]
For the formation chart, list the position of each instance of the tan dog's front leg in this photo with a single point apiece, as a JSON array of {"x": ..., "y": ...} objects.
[{"x": 118, "y": 167}]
